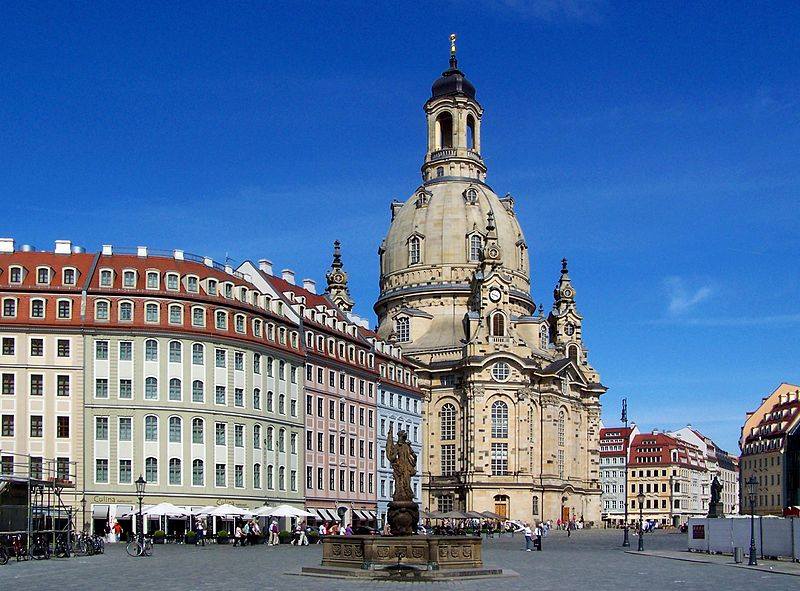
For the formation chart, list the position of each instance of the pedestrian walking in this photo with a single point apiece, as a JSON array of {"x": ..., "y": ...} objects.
[
  {"x": 237, "y": 536},
  {"x": 538, "y": 533},
  {"x": 528, "y": 533}
]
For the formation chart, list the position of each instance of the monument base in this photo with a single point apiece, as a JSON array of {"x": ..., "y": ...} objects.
[{"x": 419, "y": 552}]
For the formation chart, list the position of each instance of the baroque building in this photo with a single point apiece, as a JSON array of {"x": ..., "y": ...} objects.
[
  {"x": 511, "y": 403},
  {"x": 167, "y": 365}
]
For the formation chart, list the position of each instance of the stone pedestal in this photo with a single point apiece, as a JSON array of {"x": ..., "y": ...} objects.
[
  {"x": 421, "y": 552},
  {"x": 716, "y": 510},
  {"x": 403, "y": 517}
]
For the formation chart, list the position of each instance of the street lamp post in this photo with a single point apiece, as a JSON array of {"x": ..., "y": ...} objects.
[
  {"x": 752, "y": 489},
  {"x": 625, "y": 541},
  {"x": 140, "y": 484},
  {"x": 83, "y": 513},
  {"x": 640, "y": 498}
]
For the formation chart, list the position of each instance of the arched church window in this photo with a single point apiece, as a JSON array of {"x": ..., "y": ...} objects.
[
  {"x": 475, "y": 247},
  {"x": 521, "y": 257},
  {"x": 544, "y": 337},
  {"x": 561, "y": 426},
  {"x": 414, "y": 250},
  {"x": 572, "y": 353},
  {"x": 470, "y": 132},
  {"x": 471, "y": 196},
  {"x": 499, "y": 325},
  {"x": 447, "y": 422},
  {"x": 501, "y": 371},
  {"x": 499, "y": 419},
  {"x": 403, "y": 330},
  {"x": 444, "y": 129}
]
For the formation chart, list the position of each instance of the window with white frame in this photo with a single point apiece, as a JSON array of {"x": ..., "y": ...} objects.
[
  {"x": 198, "y": 391},
  {"x": 447, "y": 420},
  {"x": 173, "y": 281},
  {"x": 43, "y": 275},
  {"x": 10, "y": 307},
  {"x": 106, "y": 278},
  {"x": 151, "y": 428},
  {"x": 101, "y": 310},
  {"x": 69, "y": 276},
  {"x": 499, "y": 459},
  {"x": 15, "y": 274},
  {"x": 126, "y": 311},
  {"x": 198, "y": 472},
  {"x": 175, "y": 351},
  {"x": 129, "y": 279},
  {"x": 151, "y": 312},
  {"x": 414, "y": 250},
  {"x": 152, "y": 280},
  {"x": 63, "y": 309},
  {"x": 221, "y": 320},
  {"x": 192, "y": 284},
  {"x": 198, "y": 354},
  {"x": 475, "y": 247},
  {"x": 403, "y": 330},
  {"x": 37, "y": 308},
  {"x": 499, "y": 419},
  {"x": 151, "y": 350},
  {"x": 175, "y": 314},
  {"x": 198, "y": 316}
]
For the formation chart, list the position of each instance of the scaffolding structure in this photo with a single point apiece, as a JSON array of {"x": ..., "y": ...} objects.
[{"x": 31, "y": 496}]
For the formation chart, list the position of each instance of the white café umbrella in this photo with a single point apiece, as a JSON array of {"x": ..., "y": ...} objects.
[
  {"x": 288, "y": 511},
  {"x": 263, "y": 511},
  {"x": 227, "y": 510},
  {"x": 165, "y": 510}
]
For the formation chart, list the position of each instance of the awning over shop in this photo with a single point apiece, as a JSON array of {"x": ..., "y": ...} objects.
[
  {"x": 330, "y": 514},
  {"x": 100, "y": 511},
  {"x": 124, "y": 510}
]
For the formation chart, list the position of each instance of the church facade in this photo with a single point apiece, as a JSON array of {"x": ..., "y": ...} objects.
[{"x": 511, "y": 404}]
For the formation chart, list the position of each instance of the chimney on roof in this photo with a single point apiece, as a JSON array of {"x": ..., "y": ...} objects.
[
  {"x": 108, "y": 249},
  {"x": 265, "y": 266},
  {"x": 288, "y": 276},
  {"x": 141, "y": 251},
  {"x": 310, "y": 285},
  {"x": 7, "y": 245},
  {"x": 63, "y": 247},
  {"x": 656, "y": 431}
]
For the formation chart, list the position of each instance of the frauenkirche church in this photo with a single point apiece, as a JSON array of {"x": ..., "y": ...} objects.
[{"x": 512, "y": 405}]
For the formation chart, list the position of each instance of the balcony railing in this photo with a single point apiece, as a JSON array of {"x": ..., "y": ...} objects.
[{"x": 452, "y": 153}]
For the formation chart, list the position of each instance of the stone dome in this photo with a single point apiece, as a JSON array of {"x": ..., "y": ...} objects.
[{"x": 444, "y": 214}]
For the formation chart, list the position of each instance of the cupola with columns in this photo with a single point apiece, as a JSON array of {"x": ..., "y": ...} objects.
[{"x": 454, "y": 126}]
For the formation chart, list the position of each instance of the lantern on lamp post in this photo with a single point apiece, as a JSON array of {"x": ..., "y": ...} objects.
[
  {"x": 640, "y": 498},
  {"x": 140, "y": 485},
  {"x": 752, "y": 490}
]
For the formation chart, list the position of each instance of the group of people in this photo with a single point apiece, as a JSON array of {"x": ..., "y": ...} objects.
[
  {"x": 333, "y": 528},
  {"x": 534, "y": 535}
]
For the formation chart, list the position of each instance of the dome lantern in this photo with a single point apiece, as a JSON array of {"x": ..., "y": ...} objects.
[{"x": 454, "y": 119}]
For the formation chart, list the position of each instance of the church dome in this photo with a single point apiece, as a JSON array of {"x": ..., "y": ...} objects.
[
  {"x": 446, "y": 217},
  {"x": 452, "y": 82}
]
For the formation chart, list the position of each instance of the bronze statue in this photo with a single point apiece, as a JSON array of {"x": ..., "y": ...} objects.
[
  {"x": 403, "y": 513},
  {"x": 715, "y": 505}
]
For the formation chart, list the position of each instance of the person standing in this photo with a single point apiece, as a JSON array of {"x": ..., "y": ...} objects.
[
  {"x": 274, "y": 540},
  {"x": 322, "y": 532},
  {"x": 302, "y": 539},
  {"x": 538, "y": 533},
  {"x": 528, "y": 534}
]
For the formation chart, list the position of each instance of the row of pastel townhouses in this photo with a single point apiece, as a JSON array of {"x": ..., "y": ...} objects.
[
  {"x": 675, "y": 470},
  {"x": 216, "y": 384}
]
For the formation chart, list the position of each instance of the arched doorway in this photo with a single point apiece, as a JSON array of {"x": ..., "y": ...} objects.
[
  {"x": 564, "y": 509},
  {"x": 502, "y": 506}
]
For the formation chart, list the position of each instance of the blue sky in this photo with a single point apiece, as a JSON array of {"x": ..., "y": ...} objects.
[{"x": 654, "y": 144}]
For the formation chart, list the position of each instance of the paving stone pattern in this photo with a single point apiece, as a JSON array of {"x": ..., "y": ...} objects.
[{"x": 589, "y": 560}]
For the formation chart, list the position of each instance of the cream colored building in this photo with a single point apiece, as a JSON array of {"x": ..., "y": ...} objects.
[
  {"x": 512, "y": 405},
  {"x": 769, "y": 452}
]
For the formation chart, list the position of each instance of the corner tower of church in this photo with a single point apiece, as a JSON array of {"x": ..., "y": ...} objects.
[{"x": 512, "y": 407}]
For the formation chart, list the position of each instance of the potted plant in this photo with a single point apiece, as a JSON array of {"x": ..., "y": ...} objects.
[
  {"x": 191, "y": 537},
  {"x": 223, "y": 537},
  {"x": 284, "y": 537},
  {"x": 158, "y": 536},
  {"x": 313, "y": 536}
]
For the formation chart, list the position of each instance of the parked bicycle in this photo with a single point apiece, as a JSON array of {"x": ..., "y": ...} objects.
[
  {"x": 39, "y": 548},
  {"x": 3, "y": 554},
  {"x": 137, "y": 548}
]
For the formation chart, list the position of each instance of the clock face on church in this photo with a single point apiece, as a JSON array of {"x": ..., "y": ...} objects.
[
  {"x": 338, "y": 277},
  {"x": 570, "y": 330},
  {"x": 494, "y": 295}
]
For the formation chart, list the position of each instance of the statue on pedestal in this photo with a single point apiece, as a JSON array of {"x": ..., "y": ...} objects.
[
  {"x": 403, "y": 514},
  {"x": 715, "y": 506}
]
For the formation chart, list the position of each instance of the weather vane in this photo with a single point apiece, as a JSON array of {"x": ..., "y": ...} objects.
[{"x": 453, "y": 44}]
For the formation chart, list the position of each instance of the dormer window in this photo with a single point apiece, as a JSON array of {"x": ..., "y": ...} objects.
[
  {"x": 475, "y": 248},
  {"x": 43, "y": 275},
  {"x": 229, "y": 290},
  {"x": 402, "y": 329},
  {"x": 192, "y": 284},
  {"x": 129, "y": 279},
  {"x": 414, "y": 250},
  {"x": 172, "y": 281},
  {"x": 152, "y": 280},
  {"x": 243, "y": 294},
  {"x": 212, "y": 287},
  {"x": 69, "y": 276},
  {"x": 15, "y": 275},
  {"x": 106, "y": 278}
]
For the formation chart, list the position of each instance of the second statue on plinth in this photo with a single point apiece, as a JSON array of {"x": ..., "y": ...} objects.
[{"x": 403, "y": 514}]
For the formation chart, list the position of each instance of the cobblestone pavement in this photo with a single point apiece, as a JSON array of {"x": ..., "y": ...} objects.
[{"x": 590, "y": 560}]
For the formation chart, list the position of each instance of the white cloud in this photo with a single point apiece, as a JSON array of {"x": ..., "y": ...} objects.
[{"x": 683, "y": 299}]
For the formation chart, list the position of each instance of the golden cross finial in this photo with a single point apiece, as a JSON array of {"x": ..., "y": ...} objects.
[{"x": 452, "y": 44}]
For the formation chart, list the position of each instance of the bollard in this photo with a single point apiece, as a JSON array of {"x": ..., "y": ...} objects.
[{"x": 738, "y": 555}]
